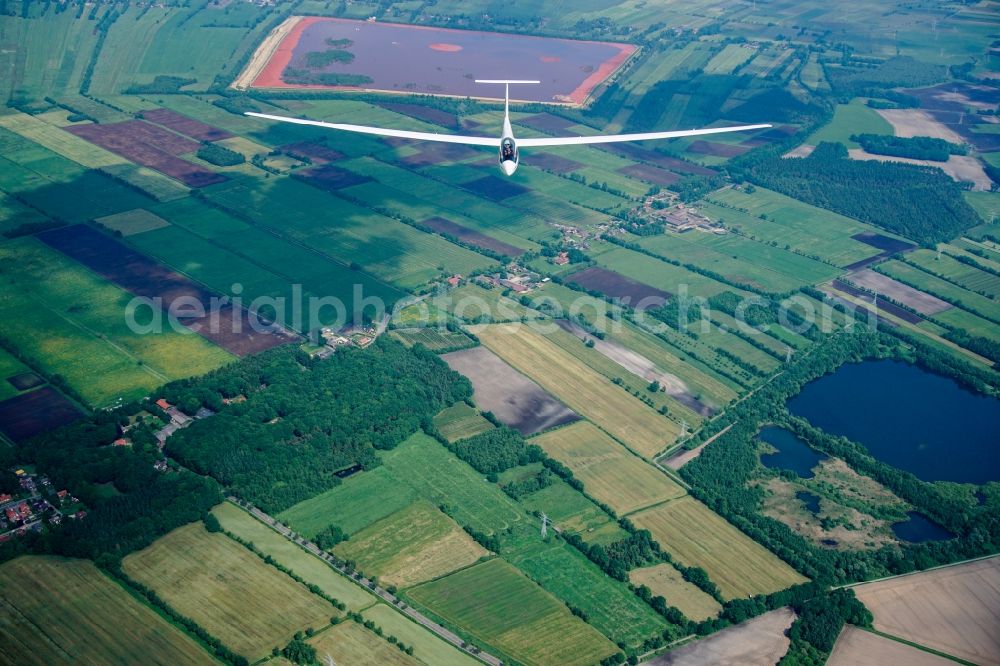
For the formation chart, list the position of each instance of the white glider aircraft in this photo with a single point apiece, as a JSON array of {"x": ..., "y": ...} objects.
[{"x": 509, "y": 148}]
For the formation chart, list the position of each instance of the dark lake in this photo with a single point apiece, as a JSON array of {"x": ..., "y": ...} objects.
[
  {"x": 809, "y": 499},
  {"x": 918, "y": 529},
  {"x": 793, "y": 454},
  {"x": 910, "y": 418}
]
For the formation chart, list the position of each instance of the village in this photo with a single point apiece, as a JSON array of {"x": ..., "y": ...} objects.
[{"x": 35, "y": 503}]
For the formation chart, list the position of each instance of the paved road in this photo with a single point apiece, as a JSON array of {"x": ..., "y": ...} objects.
[{"x": 415, "y": 615}]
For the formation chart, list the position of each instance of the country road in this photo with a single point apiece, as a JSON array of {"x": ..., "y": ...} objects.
[{"x": 413, "y": 614}]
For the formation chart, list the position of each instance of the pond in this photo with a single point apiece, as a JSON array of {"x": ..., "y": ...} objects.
[
  {"x": 793, "y": 454},
  {"x": 910, "y": 418},
  {"x": 919, "y": 529},
  {"x": 809, "y": 499}
]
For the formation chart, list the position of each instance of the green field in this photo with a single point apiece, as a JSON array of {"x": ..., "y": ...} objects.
[
  {"x": 59, "y": 141},
  {"x": 790, "y": 224},
  {"x": 569, "y": 510},
  {"x": 410, "y": 546},
  {"x": 355, "y": 504},
  {"x": 741, "y": 260},
  {"x": 962, "y": 274},
  {"x": 649, "y": 270},
  {"x": 664, "y": 580},
  {"x": 850, "y": 119},
  {"x": 9, "y": 367},
  {"x": 499, "y": 606},
  {"x": 434, "y": 339},
  {"x": 460, "y": 421},
  {"x": 132, "y": 222},
  {"x": 288, "y": 554},
  {"x": 729, "y": 58},
  {"x": 72, "y": 323},
  {"x": 697, "y": 537},
  {"x": 227, "y": 589},
  {"x": 55, "y": 610},
  {"x": 978, "y": 315},
  {"x": 608, "y": 471},
  {"x": 388, "y": 249},
  {"x": 436, "y": 475},
  {"x": 580, "y": 388}
]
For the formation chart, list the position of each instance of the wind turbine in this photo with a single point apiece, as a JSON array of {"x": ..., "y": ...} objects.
[{"x": 509, "y": 155}]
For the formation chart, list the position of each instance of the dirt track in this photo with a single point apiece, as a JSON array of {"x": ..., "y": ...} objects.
[
  {"x": 757, "y": 642},
  {"x": 264, "y": 52},
  {"x": 955, "y": 610}
]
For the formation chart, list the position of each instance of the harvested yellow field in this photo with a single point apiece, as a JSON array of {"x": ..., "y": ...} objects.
[
  {"x": 955, "y": 610},
  {"x": 609, "y": 472},
  {"x": 55, "y": 611},
  {"x": 351, "y": 643},
  {"x": 413, "y": 545},
  {"x": 585, "y": 391},
  {"x": 698, "y": 537},
  {"x": 249, "y": 606},
  {"x": 666, "y": 581}
]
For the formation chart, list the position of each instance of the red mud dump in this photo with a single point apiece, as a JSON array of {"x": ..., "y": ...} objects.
[{"x": 442, "y": 61}]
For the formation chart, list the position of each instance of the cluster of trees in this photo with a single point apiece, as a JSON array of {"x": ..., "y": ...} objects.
[
  {"x": 818, "y": 624},
  {"x": 309, "y": 77},
  {"x": 916, "y": 147},
  {"x": 302, "y": 419},
  {"x": 497, "y": 450},
  {"x": 220, "y": 155},
  {"x": 922, "y": 203},
  {"x": 330, "y": 537},
  {"x": 237, "y": 104},
  {"x": 320, "y": 59},
  {"x": 897, "y": 72},
  {"x": 531, "y": 484},
  {"x": 161, "y": 84}
]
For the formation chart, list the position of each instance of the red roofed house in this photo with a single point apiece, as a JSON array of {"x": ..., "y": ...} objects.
[
  {"x": 4, "y": 497},
  {"x": 12, "y": 515},
  {"x": 163, "y": 404},
  {"x": 24, "y": 509},
  {"x": 121, "y": 441},
  {"x": 62, "y": 494},
  {"x": 561, "y": 259},
  {"x": 455, "y": 280}
]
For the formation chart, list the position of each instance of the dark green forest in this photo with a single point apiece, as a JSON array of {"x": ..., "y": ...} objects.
[{"x": 303, "y": 420}]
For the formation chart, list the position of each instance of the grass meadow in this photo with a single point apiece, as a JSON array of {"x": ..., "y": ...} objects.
[{"x": 501, "y": 607}]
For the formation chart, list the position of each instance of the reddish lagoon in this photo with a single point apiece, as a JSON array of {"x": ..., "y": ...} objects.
[{"x": 442, "y": 61}]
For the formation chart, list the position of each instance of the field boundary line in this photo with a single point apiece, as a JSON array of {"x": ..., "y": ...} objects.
[
  {"x": 923, "y": 648},
  {"x": 654, "y": 505},
  {"x": 914, "y": 573}
]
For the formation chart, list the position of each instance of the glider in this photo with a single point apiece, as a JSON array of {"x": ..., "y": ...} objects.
[{"x": 509, "y": 149}]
